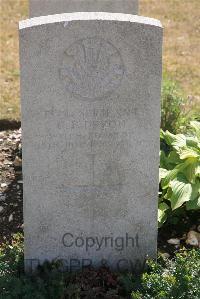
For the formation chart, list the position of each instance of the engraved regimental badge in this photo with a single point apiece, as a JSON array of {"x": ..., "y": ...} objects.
[{"x": 92, "y": 68}]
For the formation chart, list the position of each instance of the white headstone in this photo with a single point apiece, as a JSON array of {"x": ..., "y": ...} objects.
[
  {"x": 90, "y": 93},
  {"x": 50, "y": 7}
]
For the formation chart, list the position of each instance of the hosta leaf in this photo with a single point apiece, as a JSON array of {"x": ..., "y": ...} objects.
[
  {"x": 190, "y": 170},
  {"x": 196, "y": 126},
  {"x": 188, "y": 153},
  {"x": 193, "y": 204},
  {"x": 169, "y": 177},
  {"x": 161, "y": 212},
  {"x": 173, "y": 158},
  {"x": 192, "y": 141},
  {"x": 162, "y": 134},
  {"x": 197, "y": 170},
  {"x": 162, "y": 173},
  {"x": 163, "y": 207},
  {"x": 181, "y": 192},
  {"x": 168, "y": 194},
  {"x": 176, "y": 141},
  {"x": 196, "y": 189},
  {"x": 163, "y": 159},
  {"x": 172, "y": 174}
]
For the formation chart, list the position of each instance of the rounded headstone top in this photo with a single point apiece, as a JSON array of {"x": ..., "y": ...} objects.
[{"x": 81, "y": 16}]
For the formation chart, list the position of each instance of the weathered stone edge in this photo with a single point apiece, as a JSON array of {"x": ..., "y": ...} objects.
[{"x": 88, "y": 16}]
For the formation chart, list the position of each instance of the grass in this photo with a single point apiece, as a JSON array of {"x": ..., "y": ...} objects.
[
  {"x": 11, "y": 12},
  {"x": 181, "y": 22},
  {"x": 180, "y": 19}
]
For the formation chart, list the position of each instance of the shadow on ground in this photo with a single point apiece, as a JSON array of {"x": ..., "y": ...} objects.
[
  {"x": 11, "y": 220},
  {"x": 11, "y": 185},
  {"x": 6, "y": 124}
]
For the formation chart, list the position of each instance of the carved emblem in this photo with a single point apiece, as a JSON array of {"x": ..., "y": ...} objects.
[{"x": 92, "y": 68}]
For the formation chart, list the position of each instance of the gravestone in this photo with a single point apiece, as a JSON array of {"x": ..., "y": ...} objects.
[
  {"x": 50, "y": 7},
  {"x": 90, "y": 93}
]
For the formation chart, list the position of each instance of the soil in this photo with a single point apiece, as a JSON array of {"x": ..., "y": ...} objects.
[{"x": 11, "y": 187}]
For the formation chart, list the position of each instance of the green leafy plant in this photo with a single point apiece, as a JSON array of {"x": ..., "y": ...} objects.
[
  {"x": 167, "y": 279},
  {"x": 173, "y": 114},
  {"x": 179, "y": 171},
  {"x": 11, "y": 256}
]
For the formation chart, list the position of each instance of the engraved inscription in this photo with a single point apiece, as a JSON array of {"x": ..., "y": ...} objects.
[{"x": 92, "y": 68}]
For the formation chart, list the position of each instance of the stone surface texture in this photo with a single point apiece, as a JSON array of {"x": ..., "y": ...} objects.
[
  {"x": 50, "y": 7},
  {"x": 90, "y": 93}
]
